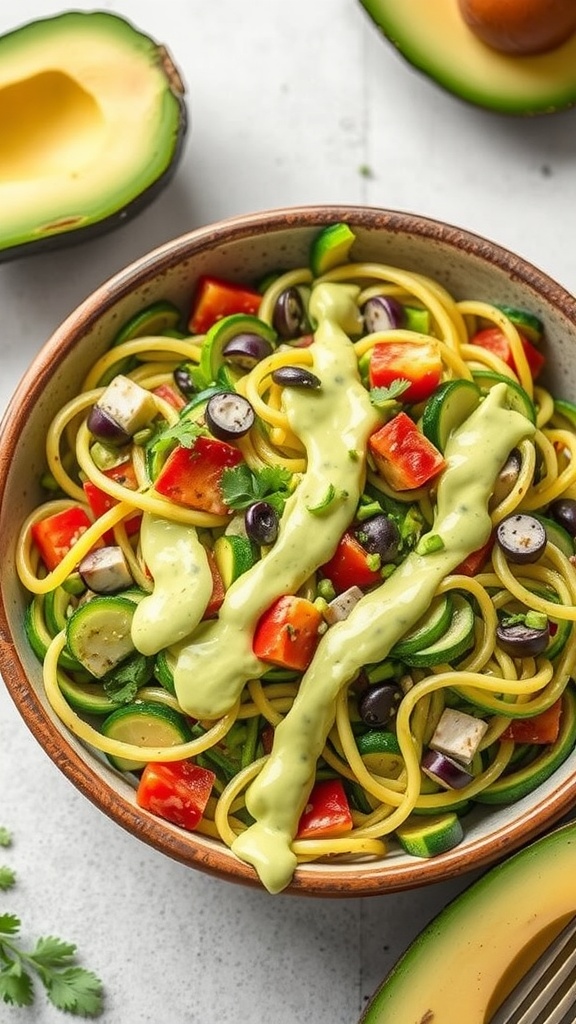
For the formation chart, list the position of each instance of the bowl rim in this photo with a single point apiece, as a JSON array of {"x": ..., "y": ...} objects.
[{"x": 192, "y": 849}]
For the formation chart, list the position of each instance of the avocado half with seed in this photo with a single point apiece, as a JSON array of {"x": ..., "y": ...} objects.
[
  {"x": 93, "y": 120},
  {"x": 433, "y": 36},
  {"x": 470, "y": 957}
]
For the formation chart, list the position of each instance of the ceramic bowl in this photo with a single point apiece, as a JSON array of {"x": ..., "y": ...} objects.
[{"x": 243, "y": 249}]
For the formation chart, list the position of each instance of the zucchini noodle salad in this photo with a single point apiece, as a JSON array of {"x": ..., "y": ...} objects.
[{"x": 305, "y": 570}]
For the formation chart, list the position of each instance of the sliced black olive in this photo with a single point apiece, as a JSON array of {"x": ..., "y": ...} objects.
[
  {"x": 379, "y": 536},
  {"x": 245, "y": 350},
  {"x": 564, "y": 512},
  {"x": 184, "y": 380},
  {"x": 522, "y": 641},
  {"x": 261, "y": 521},
  {"x": 382, "y": 314},
  {"x": 289, "y": 316},
  {"x": 379, "y": 703},
  {"x": 105, "y": 429},
  {"x": 228, "y": 415},
  {"x": 445, "y": 770},
  {"x": 521, "y": 537},
  {"x": 296, "y": 377}
]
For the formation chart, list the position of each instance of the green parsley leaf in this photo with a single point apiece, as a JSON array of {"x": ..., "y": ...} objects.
[
  {"x": 5, "y": 837},
  {"x": 7, "y": 877},
  {"x": 183, "y": 433},
  {"x": 381, "y": 396},
  {"x": 76, "y": 990},
  {"x": 241, "y": 487}
]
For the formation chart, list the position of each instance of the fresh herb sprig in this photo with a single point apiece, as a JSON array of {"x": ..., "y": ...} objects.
[
  {"x": 51, "y": 960},
  {"x": 241, "y": 487}
]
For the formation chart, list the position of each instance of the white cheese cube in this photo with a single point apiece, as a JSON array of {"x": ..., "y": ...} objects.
[
  {"x": 458, "y": 735},
  {"x": 129, "y": 405}
]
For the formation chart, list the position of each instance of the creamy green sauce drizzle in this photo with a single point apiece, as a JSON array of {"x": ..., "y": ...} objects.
[
  {"x": 212, "y": 668},
  {"x": 276, "y": 799},
  {"x": 182, "y": 585}
]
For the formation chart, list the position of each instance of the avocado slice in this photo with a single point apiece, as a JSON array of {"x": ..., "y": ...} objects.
[
  {"x": 436, "y": 40},
  {"x": 476, "y": 950},
  {"x": 93, "y": 119}
]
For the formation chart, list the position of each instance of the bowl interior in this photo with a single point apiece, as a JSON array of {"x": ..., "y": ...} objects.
[{"x": 244, "y": 249}]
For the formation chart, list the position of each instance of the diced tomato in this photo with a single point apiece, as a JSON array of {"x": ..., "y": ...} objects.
[
  {"x": 349, "y": 566},
  {"x": 287, "y": 633},
  {"x": 403, "y": 456},
  {"x": 327, "y": 812},
  {"x": 418, "y": 363},
  {"x": 476, "y": 560},
  {"x": 57, "y": 534},
  {"x": 170, "y": 395},
  {"x": 494, "y": 340},
  {"x": 218, "y": 590},
  {"x": 192, "y": 476},
  {"x": 100, "y": 502},
  {"x": 177, "y": 791},
  {"x": 543, "y": 728},
  {"x": 215, "y": 298}
]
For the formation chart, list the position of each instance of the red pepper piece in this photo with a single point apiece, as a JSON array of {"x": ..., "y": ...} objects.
[
  {"x": 177, "y": 791},
  {"x": 418, "y": 363},
  {"x": 215, "y": 298},
  {"x": 327, "y": 812},
  {"x": 349, "y": 566},
  {"x": 543, "y": 728},
  {"x": 476, "y": 560},
  {"x": 58, "y": 533},
  {"x": 494, "y": 340},
  {"x": 218, "y": 591},
  {"x": 170, "y": 395},
  {"x": 287, "y": 633},
  {"x": 100, "y": 502},
  {"x": 403, "y": 456},
  {"x": 192, "y": 476}
]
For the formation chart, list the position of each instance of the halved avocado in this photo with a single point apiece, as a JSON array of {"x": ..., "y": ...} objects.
[
  {"x": 434, "y": 37},
  {"x": 93, "y": 119},
  {"x": 471, "y": 956}
]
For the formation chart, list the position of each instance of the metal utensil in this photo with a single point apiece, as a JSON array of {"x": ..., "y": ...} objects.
[{"x": 547, "y": 992}]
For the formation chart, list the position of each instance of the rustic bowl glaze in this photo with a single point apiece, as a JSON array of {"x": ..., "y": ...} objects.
[{"x": 245, "y": 248}]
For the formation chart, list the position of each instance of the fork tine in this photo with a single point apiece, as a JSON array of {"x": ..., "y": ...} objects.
[{"x": 547, "y": 992}]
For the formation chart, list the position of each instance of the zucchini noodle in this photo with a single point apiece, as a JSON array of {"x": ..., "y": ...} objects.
[{"x": 190, "y": 560}]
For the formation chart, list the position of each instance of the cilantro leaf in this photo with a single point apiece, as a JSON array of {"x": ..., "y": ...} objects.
[
  {"x": 183, "y": 433},
  {"x": 16, "y": 986},
  {"x": 381, "y": 396},
  {"x": 7, "y": 877},
  {"x": 241, "y": 487},
  {"x": 9, "y": 924},
  {"x": 76, "y": 990},
  {"x": 5, "y": 837},
  {"x": 52, "y": 952},
  {"x": 122, "y": 683}
]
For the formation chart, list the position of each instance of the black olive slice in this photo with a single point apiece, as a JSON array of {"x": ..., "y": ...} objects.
[
  {"x": 563, "y": 511},
  {"x": 382, "y": 314},
  {"x": 228, "y": 415},
  {"x": 522, "y": 641},
  {"x": 379, "y": 536},
  {"x": 379, "y": 703},
  {"x": 296, "y": 377},
  {"x": 246, "y": 350},
  {"x": 289, "y": 316},
  {"x": 261, "y": 521},
  {"x": 522, "y": 538},
  {"x": 104, "y": 428}
]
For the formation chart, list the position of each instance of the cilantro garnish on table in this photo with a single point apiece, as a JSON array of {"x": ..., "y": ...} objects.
[
  {"x": 51, "y": 960},
  {"x": 241, "y": 486}
]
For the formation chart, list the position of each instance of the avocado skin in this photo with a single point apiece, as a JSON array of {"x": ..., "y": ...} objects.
[
  {"x": 120, "y": 214},
  {"x": 461, "y": 64}
]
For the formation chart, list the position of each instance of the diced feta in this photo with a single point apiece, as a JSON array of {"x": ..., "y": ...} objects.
[
  {"x": 458, "y": 735},
  {"x": 129, "y": 405},
  {"x": 105, "y": 570}
]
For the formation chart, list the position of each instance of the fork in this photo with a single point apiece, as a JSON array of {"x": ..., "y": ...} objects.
[{"x": 547, "y": 992}]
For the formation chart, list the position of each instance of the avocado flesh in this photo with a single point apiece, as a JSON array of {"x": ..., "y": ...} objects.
[
  {"x": 477, "y": 949},
  {"x": 435, "y": 39},
  {"x": 92, "y": 117}
]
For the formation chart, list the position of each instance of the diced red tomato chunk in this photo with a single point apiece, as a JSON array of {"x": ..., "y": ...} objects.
[
  {"x": 349, "y": 566},
  {"x": 327, "y": 812},
  {"x": 215, "y": 298},
  {"x": 543, "y": 728},
  {"x": 192, "y": 476},
  {"x": 287, "y": 633},
  {"x": 494, "y": 340},
  {"x": 177, "y": 791},
  {"x": 403, "y": 456},
  {"x": 56, "y": 535},
  {"x": 100, "y": 502},
  {"x": 418, "y": 363}
]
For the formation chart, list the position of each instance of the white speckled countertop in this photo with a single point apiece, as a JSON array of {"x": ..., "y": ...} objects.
[{"x": 289, "y": 104}]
